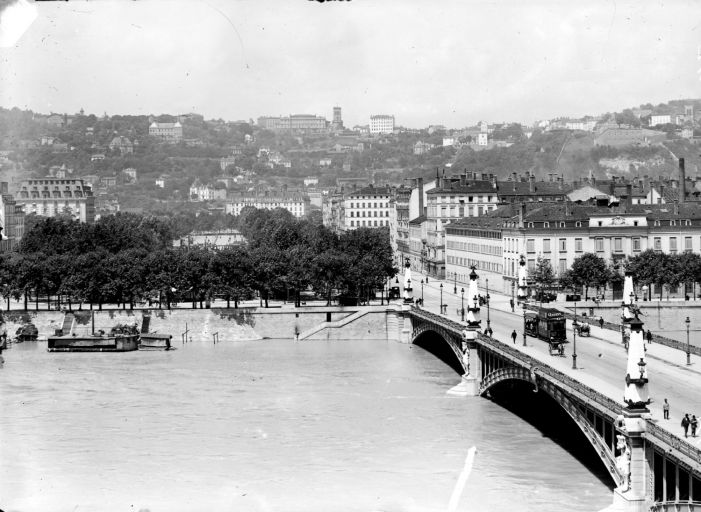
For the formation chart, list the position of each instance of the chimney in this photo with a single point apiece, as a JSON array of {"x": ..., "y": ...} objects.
[
  {"x": 661, "y": 198},
  {"x": 593, "y": 181},
  {"x": 493, "y": 179},
  {"x": 420, "y": 183},
  {"x": 4, "y": 188},
  {"x": 629, "y": 198},
  {"x": 676, "y": 208},
  {"x": 674, "y": 183},
  {"x": 682, "y": 180},
  {"x": 463, "y": 178},
  {"x": 560, "y": 182},
  {"x": 521, "y": 213},
  {"x": 531, "y": 183},
  {"x": 514, "y": 177}
]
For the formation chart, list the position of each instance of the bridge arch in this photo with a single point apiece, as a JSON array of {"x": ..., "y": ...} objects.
[
  {"x": 531, "y": 376},
  {"x": 423, "y": 332}
]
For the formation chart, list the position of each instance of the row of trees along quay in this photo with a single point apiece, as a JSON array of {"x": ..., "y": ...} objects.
[
  {"x": 128, "y": 259},
  {"x": 648, "y": 268}
]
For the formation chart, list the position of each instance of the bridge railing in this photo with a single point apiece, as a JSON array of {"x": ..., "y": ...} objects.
[
  {"x": 676, "y": 506},
  {"x": 612, "y": 407}
]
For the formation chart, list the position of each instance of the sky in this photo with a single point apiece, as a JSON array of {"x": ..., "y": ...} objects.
[{"x": 425, "y": 62}]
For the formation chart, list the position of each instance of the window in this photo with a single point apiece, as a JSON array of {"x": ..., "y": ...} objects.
[
  {"x": 672, "y": 222},
  {"x": 673, "y": 244},
  {"x": 530, "y": 245},
  {"x": 562, "y": 244},
  {"x": 546, "y": 245},
  {"x": 687, "y": 243},
  {"x": 577, "y": 245},
  {"x": 562, "y": 266},
  {"x": 352, "y": 223},
  {"x": 562, "y": 224},
  {"x": 531, "y": 265},
  {"x": 546, "y": 224},
  {"x": 636, "y": 244},
  {"x": 599, "y": 223},
  {"x": 657, "y": 243},
  {"x": 618, "y": 245},
  {"x": 599, "y": 244},
  {"x": 657, "y": 223},
  {"x": 578, "y": 224}
]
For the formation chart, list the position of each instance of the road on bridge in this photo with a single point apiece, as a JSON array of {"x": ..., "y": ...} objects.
[{"x": 601, "y": 358}]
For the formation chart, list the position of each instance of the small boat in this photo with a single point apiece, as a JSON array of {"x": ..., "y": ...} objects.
[
  {"x": 153, "y": 340},
  {"x": 121, "y": 338}
]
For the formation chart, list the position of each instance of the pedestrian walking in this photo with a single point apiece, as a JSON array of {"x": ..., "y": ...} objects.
[
  {"x": 513, "y": 336},
  {"x": 601, "y": 322},
  {"x": 511, "y": 302},
  {"x": 685, "y": 425},
  {"x": 694, "y": 423},
  {"x": 649, "y": 336},
  {"x": 665, "y": 409}
]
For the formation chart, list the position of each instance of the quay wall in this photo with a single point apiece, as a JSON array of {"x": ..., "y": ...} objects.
[{"x": 231, "y": 324}]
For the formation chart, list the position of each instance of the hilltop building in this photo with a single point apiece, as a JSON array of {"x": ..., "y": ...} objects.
[
  {"x": 381, "y": 123},
  {"x": 169, "y": 132}
]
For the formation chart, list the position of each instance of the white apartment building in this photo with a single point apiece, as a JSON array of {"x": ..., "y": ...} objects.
[
  {"x": 298, "y": 206},
  {"x": 367, "y": 208},
  {"x": 381, "y": 123},
  {"x": 51, "y": 197}
]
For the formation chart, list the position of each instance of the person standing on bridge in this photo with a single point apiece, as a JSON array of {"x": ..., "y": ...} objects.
[
  {"x": 511, "y": 302},
  {"x": 601, "y": 322},
  {"x": 649, "y": 336},
  {"x": 513, "y": 336},
  {"x": 694, "y": 423},
  {"x": 665, "y": 409},
  {"x": 685, "y": 424}
]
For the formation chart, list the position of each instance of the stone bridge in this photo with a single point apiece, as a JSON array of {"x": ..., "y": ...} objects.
[{"x": 651, "y": 469}]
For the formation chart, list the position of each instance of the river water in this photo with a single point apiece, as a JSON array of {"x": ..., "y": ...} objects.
[{"x": 268, "y": 425}]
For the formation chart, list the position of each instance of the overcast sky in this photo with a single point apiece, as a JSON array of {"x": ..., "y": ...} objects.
[{"x": 427, "y": 62}]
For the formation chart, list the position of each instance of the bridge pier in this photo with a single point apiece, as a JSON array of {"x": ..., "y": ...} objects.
[
  {"x": 405, "y": 325},
  {"x": 472, "y": 378}
]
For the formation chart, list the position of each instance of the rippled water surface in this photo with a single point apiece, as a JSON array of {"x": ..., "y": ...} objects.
[{"x": 267, "y": 425}]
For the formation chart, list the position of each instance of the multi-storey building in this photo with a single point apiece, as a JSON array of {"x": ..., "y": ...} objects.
[
  {"x": 11, "y": 220},
  {"x": 332, "y": 211},
  {"x": 449, "y": 201},
  {"x": 207, "y": 192},
  {"x": 368, "y": 207},
  {"x": 381, "y": 123},
  {"x": 50, "y": 197},
  {"x": 294, "y": 122},
  {"x": 297, "y": 205},
  {"x": 220, "y": 239},
  {"x": 561, "y": 232},
  {"x": 170, "y": 132},
  {"x": 399, "y": 221}
]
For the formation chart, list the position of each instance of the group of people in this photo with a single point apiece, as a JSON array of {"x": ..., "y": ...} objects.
[{"x": 692, "y": 423}]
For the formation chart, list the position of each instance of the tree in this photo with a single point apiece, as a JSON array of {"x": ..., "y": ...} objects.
[
  {"x": 543, "y": 274},
  {"x": 589, "y": 270},
  {"x": 650, "y": 267}
]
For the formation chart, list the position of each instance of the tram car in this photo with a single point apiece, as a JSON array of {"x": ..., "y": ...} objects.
[{"x": 549, "y": 325}]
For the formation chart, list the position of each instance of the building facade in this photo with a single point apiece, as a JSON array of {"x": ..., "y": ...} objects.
[
  {"x": 169, "y": 132},
  {"x": 297, "y": 205},
  {"x": 294, "y": 122},
  {"x": 381, "y": 123},
  {"x": 368, "y": 207},
  {"x": 49, "y": 197},
  {"x": 11, "y": 220}
]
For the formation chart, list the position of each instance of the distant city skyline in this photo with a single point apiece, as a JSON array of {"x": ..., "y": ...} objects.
[{"x": 452, "y": 63}]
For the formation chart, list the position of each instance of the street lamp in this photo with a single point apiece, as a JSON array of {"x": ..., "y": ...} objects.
[
  {"x": 422, "y": 292},
  {"x": 574, "y": 338},
  {"x": 462, "y": 300},
  {"x": 455, "y": 283},
  {"x": 524, "y": 323},
  {"x": 487, "y": 281},
  {"x": 688, "y": 346},
  {"x": 441, "y": 287}
]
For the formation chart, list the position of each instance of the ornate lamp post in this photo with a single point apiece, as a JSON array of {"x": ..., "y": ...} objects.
[
  {"x": 422, "y": 292},
  {"x": 688, "y": 345},
  {"x": 574, "y": 338},
  {"x": 524, "y": 324},
  {"x": 455, "y": 283},
  {"x": 441, "y": 287},
  {"x": 488, "y": 328},
  {"x": 462, "y": 307}
]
